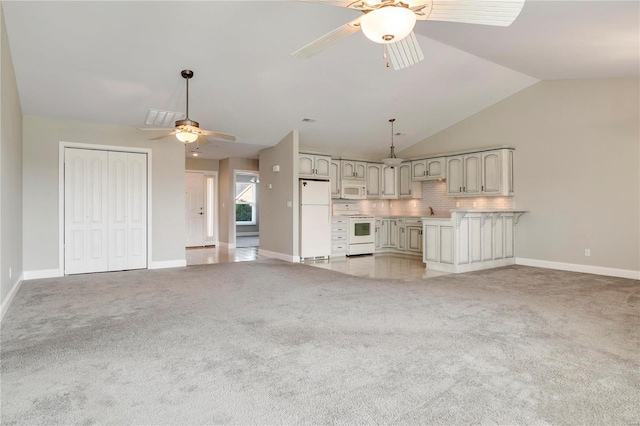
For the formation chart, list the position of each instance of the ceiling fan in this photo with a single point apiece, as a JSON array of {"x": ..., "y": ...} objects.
[
  {"x": 188, "y": 130},
  {"x": 391, "y": 22}
]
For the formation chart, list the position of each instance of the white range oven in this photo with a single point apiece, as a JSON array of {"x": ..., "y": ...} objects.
[
  {"x": 361, "y": 229},
  {"x": 361, "y": 238}
]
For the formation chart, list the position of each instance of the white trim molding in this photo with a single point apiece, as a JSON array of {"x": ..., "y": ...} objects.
[
  {"x": 43, "y": 273},
  {"x": 9, "y": 299},
  {"x": 178, "y": 263},
  {"x": 227, "y": 246},
  {"x": 281, "y": 256},
  {"x": 574, "y": 267}
]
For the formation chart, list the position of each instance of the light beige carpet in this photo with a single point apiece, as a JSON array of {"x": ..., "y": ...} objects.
[{"x": 271, "y": 342}]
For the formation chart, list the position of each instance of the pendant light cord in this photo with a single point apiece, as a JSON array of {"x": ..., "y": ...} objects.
[{"x": 393, "y": 151}]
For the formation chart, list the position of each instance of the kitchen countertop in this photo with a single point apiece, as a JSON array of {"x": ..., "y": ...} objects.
[{"x": 489, "y": 211}]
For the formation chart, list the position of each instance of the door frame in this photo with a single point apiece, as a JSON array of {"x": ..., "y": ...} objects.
[
  {"x": 114, "y": 148},
  {"x": 232, "y": 193},
  {"x": 216, "y": 226}
]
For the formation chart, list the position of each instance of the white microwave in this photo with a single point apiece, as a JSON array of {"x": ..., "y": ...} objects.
[{"x": 353, "y": 191}]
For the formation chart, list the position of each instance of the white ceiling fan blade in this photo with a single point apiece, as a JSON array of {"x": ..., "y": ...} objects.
[
  {"x": 327, "y": 40},
  {"x": 405, "y": 52},
  {"x": 162, "y": 136},
  {"x": 156, "y": 128},
  {"x": 218, "y": 135},
  {"x": 500, "y": 13},
  {"x": 342, "y": 3}
]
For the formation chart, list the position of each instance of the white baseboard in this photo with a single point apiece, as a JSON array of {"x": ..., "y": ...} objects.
[
  {"x": 178, "y": 263},
  {"x": 12, "y": 293},
  {"x": 42, "y": 273},
  {"x": 574, "y": 267},
  {"x": 281, "y": 256},
  {"x": 227, "y": 245},
  {"x": 247, "y": 234}
]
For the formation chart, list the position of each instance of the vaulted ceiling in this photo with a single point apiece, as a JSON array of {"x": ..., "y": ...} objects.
[{"x": 110, "y": 62}]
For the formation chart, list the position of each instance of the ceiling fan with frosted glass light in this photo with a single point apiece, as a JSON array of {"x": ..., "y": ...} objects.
[
  {"x": 188, "y": 130},
  {"x": 391, "y": 22}
]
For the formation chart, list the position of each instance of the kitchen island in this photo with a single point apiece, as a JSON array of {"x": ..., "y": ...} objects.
[{"x": 470, "y": 240}]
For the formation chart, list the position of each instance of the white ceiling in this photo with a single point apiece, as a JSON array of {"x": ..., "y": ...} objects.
[{"x": 110, "y": 62}]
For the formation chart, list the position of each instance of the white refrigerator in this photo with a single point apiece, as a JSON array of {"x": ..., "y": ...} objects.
[{"x": 315, "y": 218}]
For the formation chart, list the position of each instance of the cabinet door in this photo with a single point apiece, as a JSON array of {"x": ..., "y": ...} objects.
[
  {"x": 322, "y": 166},
  {"x": 305, "y": 165},
  {"x": 472, "y": 176},
  {"x": 463, "y": 241},
  {"x": 348, "y": 170},
  {"x": 393, "y": 233},
  {"x": 491, "y": 172},
  {"x": 508, "y": 236},
  {"x": 384, "y": 233},
  {"x": 389, "y": 182},
  {"x": 402, "y": 238},
  {"x": 431, "y": 243},
  {"x": 454, "y": 175},
  {"x": 378, "y": 239},
  {"x": 445, "y": 240},
  {"x": 414, "y": 238},
  {"x": 374, "y": 172},
  {"x": 435, "y": 168},
  {"x": 510, "y": 186},
  {"x": 404, "y": 172},
  {"x": 475, "y": 239},
  {"x": 360, "y": 170},
  {"x": 419, "y": 170},
  {"x": 334, "y": 178}
]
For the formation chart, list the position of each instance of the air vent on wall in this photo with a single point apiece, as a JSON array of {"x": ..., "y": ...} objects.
[
  {"x": 309, "y": 120},
  {"x": 156, "y": 117}
]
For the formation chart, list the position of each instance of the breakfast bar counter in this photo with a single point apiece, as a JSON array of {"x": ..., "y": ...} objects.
[{"x": 470, "y": 240}]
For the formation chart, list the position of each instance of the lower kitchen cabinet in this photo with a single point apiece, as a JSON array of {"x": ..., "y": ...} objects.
[
  {"x": 399, "y": 235},
  {"x": 339, "y": 234},
  {"x": 470, "y": 240}
]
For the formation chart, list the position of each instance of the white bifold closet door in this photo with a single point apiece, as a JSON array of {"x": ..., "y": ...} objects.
[{"x": 105, "y": 211}]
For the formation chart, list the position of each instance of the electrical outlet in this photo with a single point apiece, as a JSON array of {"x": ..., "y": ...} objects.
[
  {"x": 587, "y": 252},
  {"x": 373, "y": 205},
  {"x": 475, "y": 204},
  {"x": 415, "y": 204},
  {"x": 390, "y": 204},
  {"x": 289, "y": 204},
  {"x": 457, "y": 203},
  {"x": 9, "y": 272}
]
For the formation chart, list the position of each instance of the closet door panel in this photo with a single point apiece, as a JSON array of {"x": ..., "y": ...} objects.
[{"x": 137, "y": 211}]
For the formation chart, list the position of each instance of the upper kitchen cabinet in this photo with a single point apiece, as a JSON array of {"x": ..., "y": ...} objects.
[
  {"x": 314, "y": 166},
  {"x": 483, "y": 173},
  {"x": 374, "y": 180},
  {"x": 334, "y": 178},
  {"x": 407, "y": 187},
  {"x": 428, "y": 169},
  {"x": 354, "y": 170},
  {"x": 389, "y": 182}
]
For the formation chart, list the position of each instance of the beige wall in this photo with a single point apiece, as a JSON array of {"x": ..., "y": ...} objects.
[
  {"x": 279, "y": 230},
  {"x": 10, "y": 173},
  {"x": 42, "y": 138},
  {"x": 577, "y": 167},
  {"x": 202, "y": 164}
]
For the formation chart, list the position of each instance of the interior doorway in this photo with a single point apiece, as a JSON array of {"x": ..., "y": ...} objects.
[
  {"x": 247, "y": 219},
  {"x": 201, "y": 208}
]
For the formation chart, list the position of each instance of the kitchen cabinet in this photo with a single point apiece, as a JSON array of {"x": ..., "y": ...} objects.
[
  {"x": 314, "y": 166},
  {"x": 354, "y": 170},
  {"x": 428, "y": 169},
  {"x": 374, "y": 180},
  {"x": 339, "y": 234},
  {"x": 388, "y": 233},
  {"x": 389, "y": 182},
  {"x": 486, "y": 173},
  {"x": 378, "y": 235},
  {"x": 407, "y": 188},
  {"x": 413, "y": 234},
  {"x": 334, "y": 178},
  {"x": 402, "y": 236},
  {"x": 470, "y": 240}
]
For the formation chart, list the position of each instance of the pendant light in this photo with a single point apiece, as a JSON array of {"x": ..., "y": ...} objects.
[{"x": 392, "y": 160}]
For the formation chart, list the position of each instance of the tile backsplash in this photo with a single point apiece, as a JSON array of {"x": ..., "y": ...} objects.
[{"x": 434, "y": 195}]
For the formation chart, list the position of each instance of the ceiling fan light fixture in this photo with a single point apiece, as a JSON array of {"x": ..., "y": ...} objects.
[
  {"x": 186, "y": 137},
  {"x": 388, "y": 24}
]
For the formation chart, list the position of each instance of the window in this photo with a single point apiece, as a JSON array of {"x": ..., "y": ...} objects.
[{"x": 245, "y": 203}]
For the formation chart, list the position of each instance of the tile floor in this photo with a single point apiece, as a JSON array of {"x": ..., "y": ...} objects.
[{"x": 373, "y": 266}]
